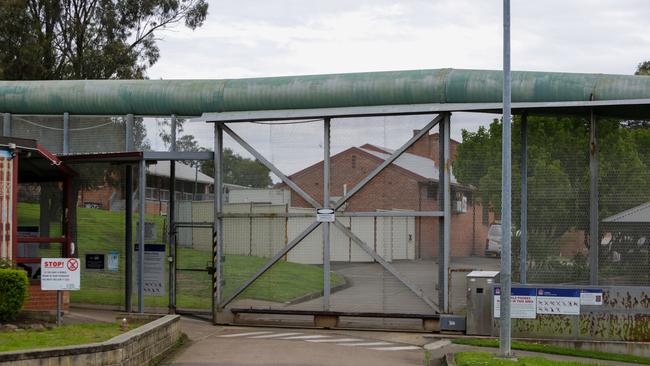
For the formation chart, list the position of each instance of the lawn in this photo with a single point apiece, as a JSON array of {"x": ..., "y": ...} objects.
[
  {"x": 66, "y": 335},
  {"x": 551, "y": 349},
  {"x": 488, "y": 359},
  {"x": 101, "y": 231}
]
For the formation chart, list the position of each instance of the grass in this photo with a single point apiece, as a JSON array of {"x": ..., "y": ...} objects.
[
  {"x": 101, "y": 231},
  {"x": 488, "y": 359},
  {"x": 556, "y": 350},
  {"x": 66, "y": 335}
]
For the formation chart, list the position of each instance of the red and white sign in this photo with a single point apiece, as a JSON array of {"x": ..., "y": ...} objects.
[{"x": 60, "y": 274}]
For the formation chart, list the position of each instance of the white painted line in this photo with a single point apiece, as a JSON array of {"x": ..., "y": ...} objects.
[
  {"x": 243, "y": 334},
  {"x": 334, "y": 340},
  {"x": 306, "y": 337},
  {"x": 274, "y": 335},
  {"x": 365, "y": 344},
  {"x": 437, "y": 345},
  {"x": 399, "y": 348}
]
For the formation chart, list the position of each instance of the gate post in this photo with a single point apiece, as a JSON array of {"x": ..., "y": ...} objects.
[
  {"x": 326, "y": 204},
  {"x": 217, "y": 229},
  {"x": 593, "y": 200},
  {"x": 444, "y": 199}
]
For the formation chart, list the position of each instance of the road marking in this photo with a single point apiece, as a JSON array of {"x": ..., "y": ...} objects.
[
  {"x": 366, "y": 344},
  {"x": 243, "y": 334},
  {"x": 336, "y": 340},
  {"x": 275, "y": 335},
  {"x": 306, "y": 337},
  {"x": 398, "y": 348},
  {"x": 437, "y": 345}
]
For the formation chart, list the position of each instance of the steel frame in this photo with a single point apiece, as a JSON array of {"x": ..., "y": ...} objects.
[{"x": 444, "y": 215}]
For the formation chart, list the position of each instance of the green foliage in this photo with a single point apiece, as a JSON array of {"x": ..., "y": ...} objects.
[
  {"x": 66, "y": 335},
  {"x": 643, "y": 68},
  {"x": 556, "y": 350},
  {"x": 13, "y": 293},
  {"x": 6, "y": 263},
  {"x": 558, "y": 174},
  {"x": 240, "y": 170},
  {"x": 53, "y": 39},
  {"x": 489, "y": 359}
]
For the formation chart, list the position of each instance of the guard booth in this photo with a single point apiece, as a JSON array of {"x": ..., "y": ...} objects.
[{"x": 24, "y": 167}]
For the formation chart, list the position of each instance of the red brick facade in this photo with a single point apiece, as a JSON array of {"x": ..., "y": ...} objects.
[
  {"x": 40, "y": 300},
  {"x": 397, "y": 188}
]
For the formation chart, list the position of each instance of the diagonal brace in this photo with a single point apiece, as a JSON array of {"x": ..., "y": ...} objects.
[
  {"x": 389, "y": 161},
  {"x": 417, "y": 291},
  {"x": 271, "y": 167},
  {"x": 271, "y": 262}
]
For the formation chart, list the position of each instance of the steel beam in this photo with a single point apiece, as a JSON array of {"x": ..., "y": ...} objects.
[
  {"x": 129, "y": 143},
  {"x": 271, "y": 167},
  {"x": 128, "y": 242},
  {"x": 444, "y": 203},
  {"x": 66, "y": 133},
  {"x": 523, "y": 237},
  {"x": 271, "y": 262},
  {"x": 391, "y": 214},
  {"x": 387, "y": 266},
  {"x": 6, "y": 124},
  {"x": 218, "y": 255},
  {"x": 593, "y": 199},
  {"x": 141, "y": 230},
  {"x": 326, "y": 204},
  {"x": 177, "y": 155},
  {"x": 388, "y": 161},
  {"x": 171, "y": 214}
]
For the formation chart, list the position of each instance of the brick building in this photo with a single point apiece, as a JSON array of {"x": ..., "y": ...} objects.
[{"x": 410, "y": 183}]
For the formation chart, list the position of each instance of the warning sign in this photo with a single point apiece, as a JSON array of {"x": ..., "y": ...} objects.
[
  {"x": 60, "y": 274},
  {"x": 522, "y": 303}
]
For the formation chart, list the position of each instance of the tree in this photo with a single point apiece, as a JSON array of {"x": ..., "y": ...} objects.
[
  {"x": 643, "y": 68},
  {"x": 86, "y": 39},
  {"x": 558, "y": 173},
  {"x": 239, "y": 170}
]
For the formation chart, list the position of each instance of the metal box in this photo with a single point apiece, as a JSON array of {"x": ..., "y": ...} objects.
[
  {"x": 454, "y": 323},
  {"x": 479, "y": 301}
]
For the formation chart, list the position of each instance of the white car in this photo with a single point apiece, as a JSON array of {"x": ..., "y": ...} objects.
[{"x": 493, "y": 241}]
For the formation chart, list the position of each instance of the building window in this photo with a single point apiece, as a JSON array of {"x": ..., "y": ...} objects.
[
  {"x": 354, "y": 161},
  {"x": 432, "y": 192},
  {"x": 486, "y": 214}
]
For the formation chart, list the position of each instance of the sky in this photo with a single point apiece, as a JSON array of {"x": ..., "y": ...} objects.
[{"x": 259, "y": 38}]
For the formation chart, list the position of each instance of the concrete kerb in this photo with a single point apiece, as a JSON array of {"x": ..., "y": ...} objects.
[{"x": 135, "y": 347}]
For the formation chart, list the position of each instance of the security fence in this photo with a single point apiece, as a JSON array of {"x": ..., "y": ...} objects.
[{"x": 382, "y": 252}]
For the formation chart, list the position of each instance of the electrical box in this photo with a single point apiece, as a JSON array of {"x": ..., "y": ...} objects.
[{"x": 479, "y": 302}]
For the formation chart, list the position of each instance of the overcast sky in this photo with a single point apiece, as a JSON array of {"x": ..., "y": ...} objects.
[{"x": 254, "y": 38}]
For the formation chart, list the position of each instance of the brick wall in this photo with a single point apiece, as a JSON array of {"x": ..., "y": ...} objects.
[
  {"x": 40, "y": 300},
  {"x": 394, "y": 189}
]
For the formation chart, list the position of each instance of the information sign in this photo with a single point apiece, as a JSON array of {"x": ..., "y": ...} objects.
[
  {"x": 60, "y": 274},
  {"x": 562, "y": 301},
  {"x": 522, "y": 303}
]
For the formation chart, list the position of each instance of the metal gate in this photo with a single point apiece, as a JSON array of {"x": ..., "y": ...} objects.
[{"x": 375, "y": 255}]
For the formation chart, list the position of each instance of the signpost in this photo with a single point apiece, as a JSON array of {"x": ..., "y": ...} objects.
[
  {"x": 154, "y": 269},
  {"x": 60, "y": 274}
]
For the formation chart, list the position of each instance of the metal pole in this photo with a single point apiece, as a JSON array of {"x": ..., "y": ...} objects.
[
  {"x": 523, "y": 237},
  {"x": 444, "y": 199},
  {"x": 128, "y": 233},
  {"x": 6, "y": 124},
  {"x": 217, "y": 230},
  {"x": 129, "y": 132},
  {"x": 326, "y": 204},
  {"x": 66, "y": 129},
  {"x": 141, "y": 192},
  {"x": 59, "y": 307},
  {"x": 506, "y": 193},
  {"x": 593, "y": 200},
  {"x": 171, "y": 212}
]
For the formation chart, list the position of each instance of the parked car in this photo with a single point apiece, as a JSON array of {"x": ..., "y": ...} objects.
[{"x": 494, "y": 238}]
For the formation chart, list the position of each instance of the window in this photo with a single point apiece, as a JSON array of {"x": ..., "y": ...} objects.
[
  {"x": 432, "y": 192},
  {"x": 354, "y": 161}
]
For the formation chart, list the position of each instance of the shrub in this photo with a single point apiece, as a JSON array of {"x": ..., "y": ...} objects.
[
  {"x": 13, "y": 293},
  {"x": 6, "y": 263}
]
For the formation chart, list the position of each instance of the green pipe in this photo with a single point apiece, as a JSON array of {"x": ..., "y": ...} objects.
[{"x": 194, "y": 97}]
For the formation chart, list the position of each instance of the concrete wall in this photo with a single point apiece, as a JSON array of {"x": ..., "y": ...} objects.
[{"x": 134, "y": 348}]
